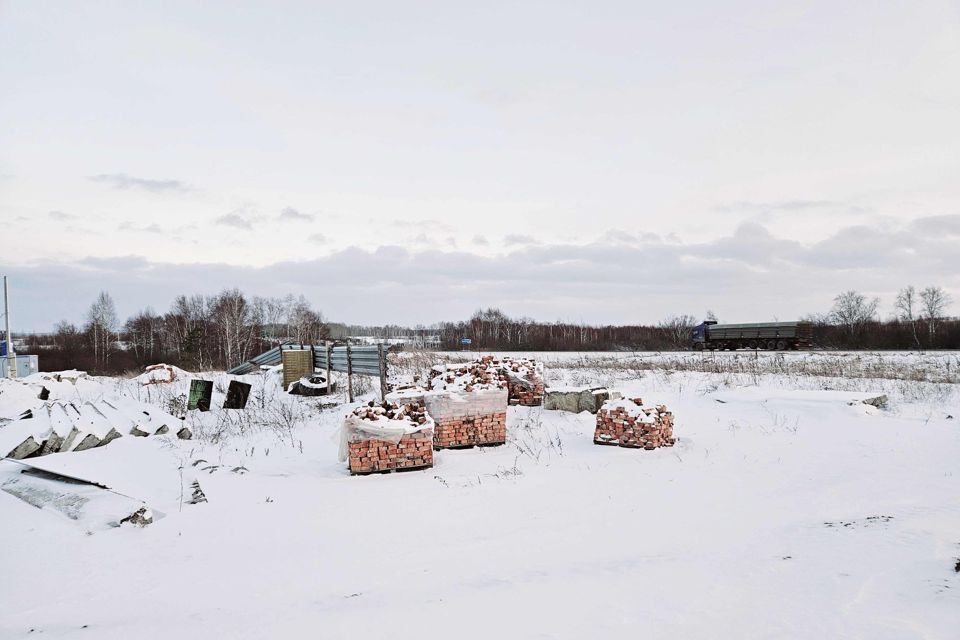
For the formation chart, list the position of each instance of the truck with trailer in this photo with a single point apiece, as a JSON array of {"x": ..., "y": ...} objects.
[{"x": 771, "y": 336}]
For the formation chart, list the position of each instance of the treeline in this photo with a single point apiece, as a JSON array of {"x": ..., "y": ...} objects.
[
  {"x": 199, "y": 332},
  {"x": 918, "y": 323},
  {"x": 896, "y": 335},
  {"x": 204, "y": 332},
  {"x": 493, "y": 330}
]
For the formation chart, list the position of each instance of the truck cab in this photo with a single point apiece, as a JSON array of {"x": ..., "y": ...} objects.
[{"x": 700, "y": 333}]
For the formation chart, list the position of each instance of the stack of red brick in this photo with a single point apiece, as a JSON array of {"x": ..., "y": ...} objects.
[
  {"x": 522, "y": 377},
  {"x": 456, "y": 432},
  {"x": 470, "y": 376},
  {"x": 389, "y": 436},
  {"x": 469, "y": 404},
  {"x": 628, "y": 423},
  {"x": 526, "y": 396}
]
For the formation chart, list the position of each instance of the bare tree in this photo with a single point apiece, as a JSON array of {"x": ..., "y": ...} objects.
[
  {"x": 236, "y": 324},
  {"x": 101, "y": 327},
  {"x": 187, "y": 325},
  {"x": 906, "y": 306},
  {"x": 679, "y": 329},
  {"x": 143, "y": 333},
  {"x": 306, "y": 325},
  {"x": 273, "y": 312},
  {"x": 934, "y": 302},
  {"x": 852, "y": 310}
]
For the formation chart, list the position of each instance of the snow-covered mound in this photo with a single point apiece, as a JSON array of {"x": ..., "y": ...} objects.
[
  {"x": 783, "y": 510},
  {"x": 57, "y": 427},
  {"x": 161, "y": 374}
]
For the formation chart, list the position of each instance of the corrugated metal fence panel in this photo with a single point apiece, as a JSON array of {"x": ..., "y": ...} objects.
[
  {"x": 267, "y": 358},
  {"x": 365, "y": 359}
]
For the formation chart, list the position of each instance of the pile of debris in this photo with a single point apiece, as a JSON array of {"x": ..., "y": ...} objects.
[
  {"x": 628, "y": 423},
  {"x": 577, "y": 399},
  {"x": 387, "y": 436},
  {"x": 160, "y": 374},
  {"x": 69, "y": 375},
  {"x": 57, "y": 427}
]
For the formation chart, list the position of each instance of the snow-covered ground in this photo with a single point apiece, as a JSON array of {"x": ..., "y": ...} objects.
[{"x": 787, "y": 509}]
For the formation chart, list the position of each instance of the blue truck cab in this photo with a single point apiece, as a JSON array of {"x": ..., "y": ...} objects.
[{"x": 700, "y": 331}]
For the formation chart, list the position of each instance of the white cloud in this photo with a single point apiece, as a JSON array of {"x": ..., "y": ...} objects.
[
  {"x": 123, "y": 181},
  {"x": 751, "y": 274},
  {"x": 289, "y": 214},
  {"x": 235, "y": 220}
]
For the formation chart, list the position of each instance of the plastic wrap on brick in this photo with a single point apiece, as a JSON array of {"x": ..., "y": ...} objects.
[
  {"x": 462, "y": 418},
  {"x": 387, "y": 436},
  {"x": 521, "y": 377}
]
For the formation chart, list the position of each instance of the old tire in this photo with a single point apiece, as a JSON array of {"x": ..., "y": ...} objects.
[{"x": 781, "y": 345}]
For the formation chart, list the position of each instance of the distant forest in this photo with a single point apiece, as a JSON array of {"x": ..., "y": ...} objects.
[{"x": 218, "y": 331}]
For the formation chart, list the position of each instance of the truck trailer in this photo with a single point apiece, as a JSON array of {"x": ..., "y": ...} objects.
[{"x": 757, "y": 335}]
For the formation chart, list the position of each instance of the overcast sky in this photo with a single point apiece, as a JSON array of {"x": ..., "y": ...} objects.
[{"x": 409, "y": 162}]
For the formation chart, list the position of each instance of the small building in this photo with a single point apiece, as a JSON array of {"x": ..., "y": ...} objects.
[{"x": 26, "y": 365}]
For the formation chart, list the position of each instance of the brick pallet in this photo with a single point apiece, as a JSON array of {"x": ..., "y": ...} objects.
[
  {"x": 463, "y": 419},
  {"x": 389, "y": 436},
  {"x": 628, "y": 423},
  {"x": 459, "y": 432},
  {"x": 414, "y": 451},
  {"x": 469, "y": 404},
  {"x": 524, "y": 379}
]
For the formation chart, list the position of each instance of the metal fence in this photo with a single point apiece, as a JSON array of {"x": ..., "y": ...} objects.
[{"x": 365, "y": 360}]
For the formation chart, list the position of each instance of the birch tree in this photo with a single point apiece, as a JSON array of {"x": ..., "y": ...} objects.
[
  {"x": 934, "y": 302},
  {"x": 906, "y": 306},
  {"x": 101, "y": 327}
]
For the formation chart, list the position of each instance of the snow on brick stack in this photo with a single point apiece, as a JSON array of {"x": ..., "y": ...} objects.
[
  {"x": 524, "y": 379},
  {"x": 388, "y": 436},
  {"x": 469, "y": 404},
  {"x": 628, "y": 423}
]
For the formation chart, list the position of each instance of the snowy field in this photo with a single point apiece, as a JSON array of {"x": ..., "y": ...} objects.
[{"x": 787, "y": 509}]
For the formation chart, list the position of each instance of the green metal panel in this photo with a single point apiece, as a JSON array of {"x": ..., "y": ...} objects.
[{"x": 201, "y": 391}]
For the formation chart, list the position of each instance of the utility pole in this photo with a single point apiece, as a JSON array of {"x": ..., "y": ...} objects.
[{"x": 11, "y": 356}]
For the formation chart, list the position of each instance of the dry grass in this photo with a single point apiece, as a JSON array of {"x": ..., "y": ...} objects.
[{"x": 936, "y": 368}]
